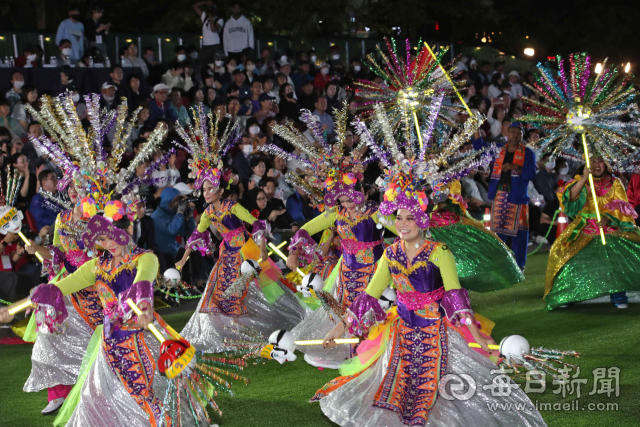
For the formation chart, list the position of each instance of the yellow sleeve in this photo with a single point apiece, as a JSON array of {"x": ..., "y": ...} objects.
[
  {"x": 205, "y": 222},
  {"x": 442, "y": 258},
  {"x": 147, "y": 268},
  {"x": 239, "y": 211},
  {"x": 320, "y": 223},
  {"x": 391, "y": 218},
  {"x": 381, "y": 278},
  {"x": 56, "y": 237},
  {"x": 82, "y": 278}
]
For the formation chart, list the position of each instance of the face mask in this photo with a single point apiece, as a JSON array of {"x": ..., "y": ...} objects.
[
  {"x": 18, "y": 85},
  {"x": 254, "y": 130},
  {"x": 550, "y": 165},
  {"x": 313, "y": 58},
  {"x": 219, "y": 63},
  {"x": 247, "y": 149},
  {"x": 251, "y": 67},
  {"x": 181, "y": 57},
  {"x": 31, "y": 57},
  {"x": 194, "y": 55},
  {"x": 108, "y": 98},
  {"x": 325, "y": 71},
  {"x": 67, "y": 51},
  {"x": 564, "y": 171},
  {"x": 75, "y": 97},
  {"x": 356, "y": 68},
  {"x": 290, "y": 95},
  {"x": 336, "y": 56}
]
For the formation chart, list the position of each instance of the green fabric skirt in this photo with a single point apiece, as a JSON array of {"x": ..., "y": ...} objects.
[
  {"x": 597, "y": 271},
  {"x": 483, "y": 262}
]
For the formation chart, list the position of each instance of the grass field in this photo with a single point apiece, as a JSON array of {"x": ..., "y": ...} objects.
[{"x": 278, "y": 394}]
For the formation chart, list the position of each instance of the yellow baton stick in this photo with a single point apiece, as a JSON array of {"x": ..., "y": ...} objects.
[
  {"x": 319, "y": 342},
  {"x": 593, "y": 189},
  {"x": 448, "y": 78},
  {"x": 152, "y": 327},
  {"x": 27, "y": 242}
]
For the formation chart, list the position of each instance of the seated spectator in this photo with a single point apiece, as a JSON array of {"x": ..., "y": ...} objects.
[
  {"x": 299, "y": 208},
  {"x": 326, "y": 122},
  {"x": 333, "y": 103},
  {"x": 302, "y": 76},
  {"x": 134, "y": 98},
  {"x": 64, "y": 53},
  {"x": 154, "y": 66},
  {"x": 288, "y": 104},
  {"x": 256, "y": 91},
  {"x": 108, "y": 99},
  {"x": 495, "y": 117},
  {"x": 211, "y": 98},
  {"x": 278, "y": 215},
  {"x": 13, "y": 255},
  {"x": 178, "y": 76},
  {"x": 250, "y": 67},
  {"x": 306, "y": 98},
  {"x": 166, "y": 175},
  {"x": 196, "y": 99},
  {"x": 6, "y": 120},
  {"x": 546, "y": 180},
  {"x": 14, "y": 95},
  {"x": 42, "y": 214},
  {"x": 117, "y": 75},
  {"x": 131, "y": 59},
  {"x": 322, "y": 78},
  {"x": 173, "y": 218},
  {"x": 278, "y": 172},
  {"x": 472, "y": 195},
  {"x": 28, "y": 59},
  {"x": 239, "y": 78},
  {"x": 176, "y": 103},
  {"x": 516, "y": 88},
  {"x": 144, "y": 234},
  {"x": 159, "y": 106},
  {"x": 241, "y": 161},
  {"x": 266, "y": 108},
  {"x": 61, "y": 86},
  {"x": 180, "y": 58},
  {"x": 495, "y": 89},
  {"x": 268, "y": 87},
  {"x": 501, "y": 139},
  {"x": 28, "y": 184},
  {"x": 20, "y": 113}
]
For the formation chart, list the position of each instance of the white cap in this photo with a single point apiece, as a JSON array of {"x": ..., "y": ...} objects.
[
  {"x": 514, "y": 73},
  {"x": 324, "y": 64},
  {"x": 107, "y": 85},
  {"x": 160, "y": 86},
  {"x": 183, "y": 188}
]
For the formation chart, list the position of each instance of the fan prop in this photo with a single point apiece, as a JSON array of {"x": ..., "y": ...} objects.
[{"x": 197, "y": 375}]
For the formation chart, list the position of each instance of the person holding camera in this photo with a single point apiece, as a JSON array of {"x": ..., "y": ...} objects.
[{"x": 173, "y": 218}]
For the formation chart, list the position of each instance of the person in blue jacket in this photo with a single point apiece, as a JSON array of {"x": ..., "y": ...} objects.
[
  {"x": 173, "y": 218},
  {"x": 511, "y": 172}
]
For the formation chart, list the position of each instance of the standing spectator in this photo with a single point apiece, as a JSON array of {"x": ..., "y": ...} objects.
[
  {"x": 14, "y": 95},
  {"x": 326, "y": 122},
  {"x": 512, "y": 171},
  {"x": 212, "y": 23},
  {"x": 516, "y": 88},
  {"x": 72, "y": 29},
  {"x": 95, "y": 30},
  {"x": 29, "y": 56},
  {"x": 131, "y": 59},
  {"x": 238, "y": 34},
  {"x": 42, "y": 214},
  {"x": 65, "y": 52},
  {"x": 322, "y": 78},
  {"x": 160, "y": 107}
]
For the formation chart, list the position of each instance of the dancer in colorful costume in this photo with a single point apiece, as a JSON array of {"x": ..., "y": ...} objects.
[
  {"x": 271, "y": 307},
  {"x": 56, "y": 359},
  {"x": 595, "y": 119},
  {"x": 355, "y": 220},
  {"x": 483, "y": 261},
  {"x": 580, "y": 267},
  {"x": 396, "y": 377}
]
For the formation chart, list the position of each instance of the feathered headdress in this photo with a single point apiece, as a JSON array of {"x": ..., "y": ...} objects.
[
  {"x": 326, "y": 167},
  {"x": 582, "y": 109},
  {"x": 81, "y": 154},
  {"x": 206, "y": 146}
]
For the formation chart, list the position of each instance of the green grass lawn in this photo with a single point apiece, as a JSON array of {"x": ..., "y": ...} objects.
[{"x": 278, "y": 394}]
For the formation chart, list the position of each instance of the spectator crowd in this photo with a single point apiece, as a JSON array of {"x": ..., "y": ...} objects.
[{"x": 260, "y": 89}]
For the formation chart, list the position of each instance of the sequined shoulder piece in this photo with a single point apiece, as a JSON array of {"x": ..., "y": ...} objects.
[
  {"x": 398, "y": 261},
  {"x": 129, "y": 263},
  {"x": 225, "y": 209},
  {"x": 369, "y": 209}
]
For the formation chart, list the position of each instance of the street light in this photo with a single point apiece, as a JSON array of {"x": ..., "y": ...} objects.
[
  {"x": 598, "y": 68},
  {"x": 529, "y": 51},
  {"x": 483, "y": 40},
  {"x": 627, "y": 67}
]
